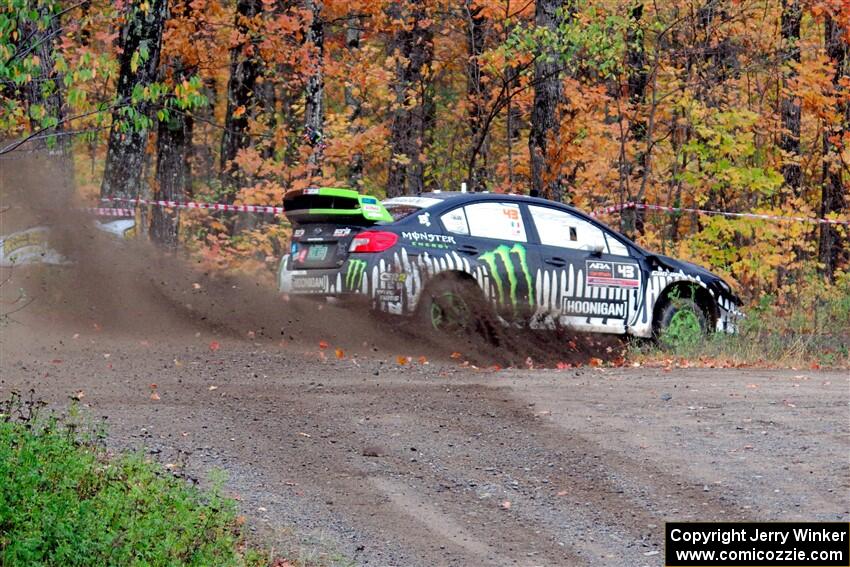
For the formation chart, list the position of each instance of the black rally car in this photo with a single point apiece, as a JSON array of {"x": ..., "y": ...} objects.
[{"x": 530, "y": 261}]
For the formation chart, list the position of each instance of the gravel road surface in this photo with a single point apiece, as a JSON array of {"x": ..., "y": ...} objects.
[{"x": 368, "y": 462}]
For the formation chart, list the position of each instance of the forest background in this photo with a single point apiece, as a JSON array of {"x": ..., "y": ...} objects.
[{"x": 727, "y": 105}]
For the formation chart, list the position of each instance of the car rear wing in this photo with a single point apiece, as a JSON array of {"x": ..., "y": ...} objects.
[{"x": 333, "y": 204}]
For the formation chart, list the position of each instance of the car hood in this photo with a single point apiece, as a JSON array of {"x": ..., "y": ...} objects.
[{"x": 712, "y": 281}]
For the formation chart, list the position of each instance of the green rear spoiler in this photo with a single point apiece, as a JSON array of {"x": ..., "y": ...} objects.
[{"x": 333, "y": 204}]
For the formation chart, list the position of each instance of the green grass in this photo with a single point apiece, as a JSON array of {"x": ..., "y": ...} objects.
[{"x": 64, "y": 501}]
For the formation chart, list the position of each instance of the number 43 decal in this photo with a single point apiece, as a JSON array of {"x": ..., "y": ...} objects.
[{"x": 626, "y": 271}]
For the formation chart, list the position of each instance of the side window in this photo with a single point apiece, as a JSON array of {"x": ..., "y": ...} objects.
[
  {"x": 455, "y": 221},
  {"x": 616, "y": 247},
  {"x": 496, "y": 220},
  {"x": 562, "y": 229}
]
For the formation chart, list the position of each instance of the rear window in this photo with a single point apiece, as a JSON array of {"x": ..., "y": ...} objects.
[
  {"x": 310, "y": 201},
  {"x": 402, "y": 207}
]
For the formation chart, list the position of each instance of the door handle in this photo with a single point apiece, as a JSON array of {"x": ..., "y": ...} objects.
[
  {"x": 556, "y": 261},
  {"x": 467, "y": 249}
]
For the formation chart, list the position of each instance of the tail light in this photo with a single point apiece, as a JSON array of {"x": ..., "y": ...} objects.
[{"x": 373, "y": 241}]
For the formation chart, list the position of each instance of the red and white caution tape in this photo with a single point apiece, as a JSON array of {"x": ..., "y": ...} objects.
[
  {"x": 203, "y": 206},
  {"x": 775, "y": 218},
  {"x": 605, "y": 210},
  {"x": 108, "y": 212}
]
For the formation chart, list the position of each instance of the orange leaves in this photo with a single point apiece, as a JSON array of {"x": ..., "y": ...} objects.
[{"x": 214, "y": 346}]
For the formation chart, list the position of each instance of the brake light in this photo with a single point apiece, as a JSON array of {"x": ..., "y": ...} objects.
[{"x": 373, "y": 241}]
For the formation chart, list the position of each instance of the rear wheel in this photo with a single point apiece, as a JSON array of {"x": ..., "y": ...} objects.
[{"x": 454, "y": 306}]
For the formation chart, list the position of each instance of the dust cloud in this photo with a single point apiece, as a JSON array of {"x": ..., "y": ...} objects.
[{"x": 132, "y": 289}]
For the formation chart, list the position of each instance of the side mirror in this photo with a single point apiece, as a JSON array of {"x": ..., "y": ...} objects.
[{"x": 596, "y": 249}]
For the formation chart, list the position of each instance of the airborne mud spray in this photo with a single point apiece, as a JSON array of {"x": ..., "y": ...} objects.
[{"x": 131, "y": 288}]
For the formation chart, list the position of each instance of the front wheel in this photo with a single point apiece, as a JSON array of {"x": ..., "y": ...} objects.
[{"x": 681, "y": 322}]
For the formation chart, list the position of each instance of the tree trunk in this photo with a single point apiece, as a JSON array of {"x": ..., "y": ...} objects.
[
  {"x": 833, "y": 199},
  {"x": 477, "y": 93},
  {"x": 314, "y": 112},
  {"x": 173, "y": 175},
  {"x": 548, "y": 94},
  {"x": 632, "y": 220},
  {"x": 354, "y": 103},
  {"x": 789, "y": 108},
  {"x": 412, "y": 46},
  {"x": 244, "y": 70},
  {"x": 141, "y": 33}
]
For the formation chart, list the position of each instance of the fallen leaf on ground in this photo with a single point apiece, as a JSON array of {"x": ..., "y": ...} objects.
[
  {"x": 154, "y": 396},
  {"x": 79, "y": 395},
  {"x": 211, "y": 388},
  {"x": 456, "y": 355},
  {"x": 505, "y": 505},
  {"x": 340, "y": 353},
  {"x": 323, "y": 344},
  {"x": 402, "y": 360},
  {"x": 214, "y": 346}
]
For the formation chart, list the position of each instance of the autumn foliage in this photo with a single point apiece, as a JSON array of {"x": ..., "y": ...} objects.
[{"x": 740, "y": 106}]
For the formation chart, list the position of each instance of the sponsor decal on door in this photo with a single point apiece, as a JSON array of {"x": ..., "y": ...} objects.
[
  {"x": 595, "y": 308},
  {"x": 612, "y": 274}
]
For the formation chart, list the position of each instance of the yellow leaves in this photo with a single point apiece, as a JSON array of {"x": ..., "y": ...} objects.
[{"x": 239, "y": 111}]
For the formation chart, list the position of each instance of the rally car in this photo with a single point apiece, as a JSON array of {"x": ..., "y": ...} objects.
[{"x": 440, "y": 256}]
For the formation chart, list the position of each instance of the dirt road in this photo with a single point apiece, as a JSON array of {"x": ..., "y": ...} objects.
[{"x": 364, "y": 461}]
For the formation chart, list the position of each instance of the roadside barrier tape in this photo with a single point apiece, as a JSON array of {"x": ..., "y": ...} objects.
[
  {"x": 776, "y": 218},
  {"x": 203, "y": 206},
  {"x": 108, "y": 212},
  {"x": 100, "y": 211},
  {"x": 605, "y": 210}
]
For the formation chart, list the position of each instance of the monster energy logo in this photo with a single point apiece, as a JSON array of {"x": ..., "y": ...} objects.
[
  {"x": 506, "y": 256},
  {"x": 354, "y": 274}
]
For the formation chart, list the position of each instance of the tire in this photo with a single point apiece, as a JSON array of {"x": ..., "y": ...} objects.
[
  {"x": 681, "y": 320},
  {"x": 454, "y": 307}
]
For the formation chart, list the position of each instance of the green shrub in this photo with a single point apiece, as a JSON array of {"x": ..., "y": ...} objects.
[{"x": 63, "y": 501}]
